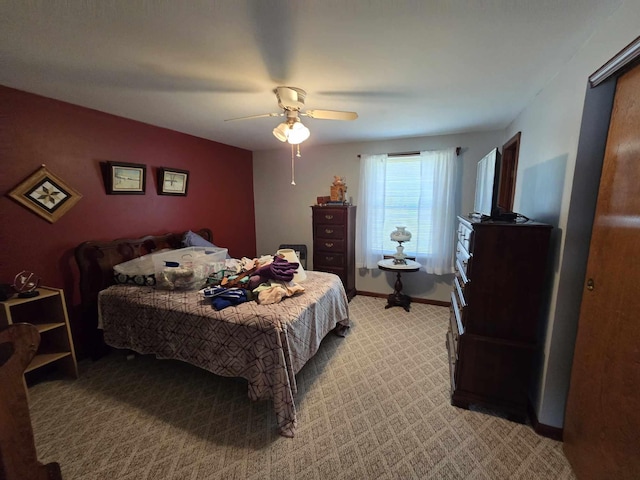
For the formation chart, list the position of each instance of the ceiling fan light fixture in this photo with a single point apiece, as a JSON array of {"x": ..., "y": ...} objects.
[
  {"x": 297, "y": 133},
  {"x": 281, "y": 132},
  {"x": 292, "y": 100}
]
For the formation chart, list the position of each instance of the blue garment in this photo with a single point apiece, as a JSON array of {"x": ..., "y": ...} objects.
[{"x": 225, "y": 297}]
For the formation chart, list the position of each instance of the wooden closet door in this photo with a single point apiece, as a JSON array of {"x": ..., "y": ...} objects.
[{"x": 602, "y": 421}]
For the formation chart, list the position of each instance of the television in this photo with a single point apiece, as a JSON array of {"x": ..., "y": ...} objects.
[{"x": 487, "y": 180}]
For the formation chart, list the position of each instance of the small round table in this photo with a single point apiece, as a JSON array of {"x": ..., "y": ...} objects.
[{"x": 397, "y": 298}]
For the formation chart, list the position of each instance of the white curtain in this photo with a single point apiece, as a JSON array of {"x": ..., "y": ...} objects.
[
  {"x": 416, "y": 192},
  {"x": 370, "y": 237},
  {"x": 443, "y": 214}
]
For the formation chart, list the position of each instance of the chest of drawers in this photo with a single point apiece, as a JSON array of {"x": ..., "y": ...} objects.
[
  {"x": 495, "y": 304},
  {"x": 334, "y": 243}
]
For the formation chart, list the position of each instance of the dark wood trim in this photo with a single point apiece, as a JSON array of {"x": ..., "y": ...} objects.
[
  {"x": 548, "y": 431},
  {"x": 427, "y": 301},
  {"x": 508, "y": 171}
]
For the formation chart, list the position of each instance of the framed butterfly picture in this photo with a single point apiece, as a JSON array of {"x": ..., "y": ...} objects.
[{"x": 45, "y": 194}]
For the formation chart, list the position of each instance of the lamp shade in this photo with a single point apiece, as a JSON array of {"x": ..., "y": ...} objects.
[
  {"x": 281, "y": 131},
  {"x": 400, "y": 234},
  {"x": 290, "y": 256},
  {"x": 298, "y": 133}
]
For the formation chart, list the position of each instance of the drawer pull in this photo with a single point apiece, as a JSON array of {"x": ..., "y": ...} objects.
[
  {"x": 328, "y": 217},
  {"x": 328, "y": 245},
  {"x": 329, "y": 259},
  {"x": 328, "y": 231}
]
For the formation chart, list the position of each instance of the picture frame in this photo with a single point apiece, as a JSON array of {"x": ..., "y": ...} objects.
[
  {"x": 173, "y": 181},
  {"x": 45, "y": 194},
  {"x": 126, "y": 178}
]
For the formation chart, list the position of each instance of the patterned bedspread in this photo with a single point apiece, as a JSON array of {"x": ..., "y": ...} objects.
[{"x": 266, "y": 344}]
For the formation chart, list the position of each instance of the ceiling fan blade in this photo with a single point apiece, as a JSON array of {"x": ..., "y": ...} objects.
[
  {"x": 330, "y": 115},
  {"x": 262, "y": 115}
]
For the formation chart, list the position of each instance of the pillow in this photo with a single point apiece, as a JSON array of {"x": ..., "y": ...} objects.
[{"x": 194, "y": 240}]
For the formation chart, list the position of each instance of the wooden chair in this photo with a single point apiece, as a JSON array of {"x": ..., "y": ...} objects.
[{"x": 18, "y": 459}]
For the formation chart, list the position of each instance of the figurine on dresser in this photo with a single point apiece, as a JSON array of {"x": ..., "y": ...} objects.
[{"x": 338, "y": 189}]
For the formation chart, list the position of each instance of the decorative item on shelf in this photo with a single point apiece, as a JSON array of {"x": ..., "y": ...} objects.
[
  {"x": 46, "y": 195},
  {"x": 26, "y": 284},
  {"x": 338, "y": 190},
  {"x": 400, "y": 235},
  {"x": 323, "y": 200}
]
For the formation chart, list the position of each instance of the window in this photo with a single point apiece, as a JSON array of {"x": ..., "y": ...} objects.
[{"x": 412, "y": 191}]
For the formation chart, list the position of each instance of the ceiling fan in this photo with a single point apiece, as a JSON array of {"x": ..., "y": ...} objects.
[{"x": 291, "y": 101}]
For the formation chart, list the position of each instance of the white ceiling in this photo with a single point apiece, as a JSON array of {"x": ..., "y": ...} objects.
[{"x": 409, "y": 68}]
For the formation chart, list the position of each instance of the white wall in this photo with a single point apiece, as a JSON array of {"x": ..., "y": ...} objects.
[
  {"x": 550, "y": 127},
  {"x": 283, "y": 213}
]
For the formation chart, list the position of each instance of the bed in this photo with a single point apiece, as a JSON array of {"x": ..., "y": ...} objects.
[{"x": 265, "y": 344}]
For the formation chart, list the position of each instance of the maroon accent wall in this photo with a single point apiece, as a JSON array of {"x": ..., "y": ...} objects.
[{"x": 73, "y": 141}]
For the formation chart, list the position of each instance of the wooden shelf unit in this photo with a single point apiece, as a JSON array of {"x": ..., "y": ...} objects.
[{"x": 48, "y": 313}]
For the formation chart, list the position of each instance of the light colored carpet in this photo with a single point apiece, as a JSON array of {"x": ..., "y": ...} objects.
[{"x": 373, "y": 405}]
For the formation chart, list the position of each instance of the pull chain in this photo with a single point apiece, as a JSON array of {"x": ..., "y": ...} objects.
[{"x": 293, "y": 178}]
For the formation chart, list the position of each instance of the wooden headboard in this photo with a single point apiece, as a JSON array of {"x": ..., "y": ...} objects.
[{"x": 96, "y": 260}]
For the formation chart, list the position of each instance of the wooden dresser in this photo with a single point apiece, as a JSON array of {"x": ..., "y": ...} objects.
[
  {"x": 334, "y": 240},
  {"x": 495, "y": 305}
]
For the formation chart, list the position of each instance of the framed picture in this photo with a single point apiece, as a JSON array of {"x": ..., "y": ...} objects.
[
  {"x": 126, "y": 178},
  {"x": 172, "y": 181},
  {"x": 46, "y": 194}
]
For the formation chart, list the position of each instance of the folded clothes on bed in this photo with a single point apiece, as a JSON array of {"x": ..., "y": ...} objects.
[
  {"x": 225, "y": 297},
  {"x": 265, "y": 294},
  {"x": 274, "y": 292},
  {"x": 279, "y": 269}
]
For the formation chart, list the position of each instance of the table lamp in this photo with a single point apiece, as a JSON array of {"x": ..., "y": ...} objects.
[{"x": 400, "y": 235}]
